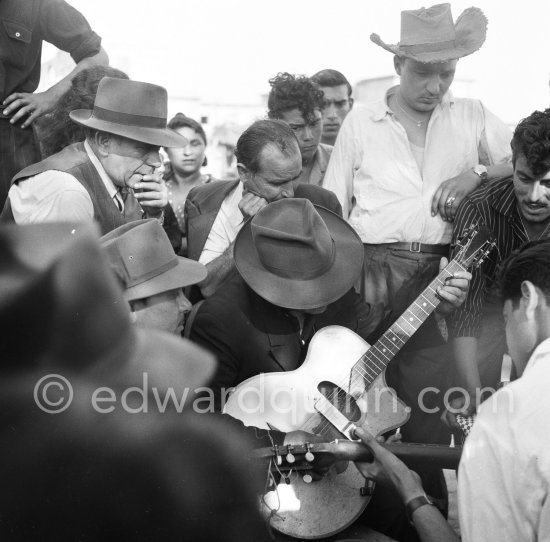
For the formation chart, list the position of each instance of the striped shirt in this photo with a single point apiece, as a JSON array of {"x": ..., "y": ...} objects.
[{"x": 493, "y": 205}]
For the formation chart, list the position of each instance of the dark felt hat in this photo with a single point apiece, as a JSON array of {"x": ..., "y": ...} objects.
[
  {"x": 141, "y": 256},
  {"x": 130, "y": 109},
  {"x": 297, "y": 255}
]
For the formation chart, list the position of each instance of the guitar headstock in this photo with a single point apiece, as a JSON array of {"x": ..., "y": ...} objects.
[{"x": 474, "y": 245}]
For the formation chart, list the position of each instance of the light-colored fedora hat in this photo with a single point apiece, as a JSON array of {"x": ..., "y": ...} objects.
[
  {"x": 61, "y": 311},
  {"x": 143, "y": 259},
  {"x": 429, "y": 34},
  {"x": 297, "y": 255},
  {"x": 130, "y": 109}
]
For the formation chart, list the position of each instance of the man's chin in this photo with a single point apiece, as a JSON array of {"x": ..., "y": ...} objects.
[{"x": 535, "y": 216}]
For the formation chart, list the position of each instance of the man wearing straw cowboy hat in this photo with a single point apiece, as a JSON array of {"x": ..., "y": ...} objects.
[
  {"x": 112, "y": 177},
  {"x": 402, "y": 165}
]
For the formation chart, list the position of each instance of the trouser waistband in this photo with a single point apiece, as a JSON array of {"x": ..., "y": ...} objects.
[{"x": 415, "y": 246}]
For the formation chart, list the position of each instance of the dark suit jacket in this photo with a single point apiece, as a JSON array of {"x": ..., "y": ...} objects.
[
  {"x": 204, "y": 202},
  {"x": 251, "y": 336}
]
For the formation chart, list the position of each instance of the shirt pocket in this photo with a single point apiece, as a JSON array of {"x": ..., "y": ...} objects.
[{"x": 17, "y": 39}]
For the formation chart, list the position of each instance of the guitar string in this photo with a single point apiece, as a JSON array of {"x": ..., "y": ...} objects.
[
  {"x": 325, "y": 424},
  {"x": 363, "y": 378}
]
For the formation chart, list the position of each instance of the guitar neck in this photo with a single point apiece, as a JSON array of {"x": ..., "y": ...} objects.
[
  {"x": 378, "y": 356},
  {"x": 413, "y": 455}
]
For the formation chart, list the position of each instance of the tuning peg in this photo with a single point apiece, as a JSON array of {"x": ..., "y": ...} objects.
[
  {"x": 307, "y": 478},
  {"x": 309, "y": 455},
  {"x": 290, "y": 456},
  {"x": 276, "y": 453}
]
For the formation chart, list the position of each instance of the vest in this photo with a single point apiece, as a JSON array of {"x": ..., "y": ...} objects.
[{"x": 75, "y": 160}]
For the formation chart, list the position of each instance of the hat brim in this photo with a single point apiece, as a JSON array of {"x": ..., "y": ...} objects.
[
  {"x": 187, "y": 272},
  {"x": 162, "y": 137},
  {"x": 470, "y": 29},
  {"x": 304, "y": 294},
  {"x": 157, "y": 359}
]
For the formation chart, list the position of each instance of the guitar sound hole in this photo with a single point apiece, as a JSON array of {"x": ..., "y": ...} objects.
[{"x": 343, "y": 401}]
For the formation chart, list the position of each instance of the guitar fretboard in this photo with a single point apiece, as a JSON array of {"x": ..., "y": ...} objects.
[{"x": 377, "y": 357}]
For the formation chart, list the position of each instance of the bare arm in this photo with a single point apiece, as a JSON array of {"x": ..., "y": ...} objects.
[
  {"x": 388, "y": 470},
  {"x": 22, "y": 104}
]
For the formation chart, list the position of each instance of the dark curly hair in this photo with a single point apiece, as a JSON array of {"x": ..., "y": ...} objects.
[
  {"x": 56, "y": 130},
  {"x": 182, "y": 121},
  {"x": 294, "y": 91},
  {"x": 531, "y": 262},
  {"x": 532, "y": 140}
]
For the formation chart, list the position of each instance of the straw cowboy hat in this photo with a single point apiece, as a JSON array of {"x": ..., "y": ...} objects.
[
  {"x": 61, "y": 310},
  {"x": 297, "y": 255},
  {"x": 429, "y": 35},
  {"x": 130, "y": 109},
  {"x": 142, "y": 257}
]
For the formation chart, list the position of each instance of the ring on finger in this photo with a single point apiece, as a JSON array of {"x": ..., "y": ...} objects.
[{"x": 449, "y": 201}]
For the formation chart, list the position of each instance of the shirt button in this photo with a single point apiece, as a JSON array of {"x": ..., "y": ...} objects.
[{"x": 18, "y": 34}]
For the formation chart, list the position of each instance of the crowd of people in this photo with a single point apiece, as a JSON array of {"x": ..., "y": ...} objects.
[{"x": 134, "y": 281}]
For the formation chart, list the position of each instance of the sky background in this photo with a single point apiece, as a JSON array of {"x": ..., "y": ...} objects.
[{"x": 225, "y": 51}]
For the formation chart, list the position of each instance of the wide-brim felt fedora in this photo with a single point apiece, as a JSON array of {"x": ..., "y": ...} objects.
[
  {"x": 429, "y": 34},
  {"x": 62, "y": 311},
  {"x": 131, "y": 109},
  {"x": 142, "y": 257},
  {"x": 298, "y": 256}
]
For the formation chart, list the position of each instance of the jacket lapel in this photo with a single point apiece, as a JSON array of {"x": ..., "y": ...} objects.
[
  {"x": 201, "y": 208},
  {"x": 281, "y": 331}
]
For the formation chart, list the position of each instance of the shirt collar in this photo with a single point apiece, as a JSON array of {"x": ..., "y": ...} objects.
[
  {"x": 109, "y": 185},
  {"x": 504, "y": 201},
  {"x": 382, "y": 109},
  {"x": 540, "y": 352}
]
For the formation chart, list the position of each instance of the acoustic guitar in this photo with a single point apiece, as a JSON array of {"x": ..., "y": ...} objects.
[{"x": 340, "y": 385}]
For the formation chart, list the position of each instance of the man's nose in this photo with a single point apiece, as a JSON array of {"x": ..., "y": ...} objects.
[
  {"x": 535, "y": 192},
  {"x": 308, "y": 133},
  {"x": 153, "y": 159},
  {"x": 184, "y": 305},
  {"x": 330, "y": 112},
  {"x": 433, "y": 85}
]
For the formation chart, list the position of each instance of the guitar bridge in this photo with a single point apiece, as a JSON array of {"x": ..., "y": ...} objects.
[{"x": 335, "y": 417}]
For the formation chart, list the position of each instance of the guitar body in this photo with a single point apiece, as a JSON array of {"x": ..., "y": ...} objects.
[{"x": 290, "y": 401}]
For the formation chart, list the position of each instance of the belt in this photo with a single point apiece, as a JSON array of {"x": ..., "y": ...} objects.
[{"x": 415, "y": 246}]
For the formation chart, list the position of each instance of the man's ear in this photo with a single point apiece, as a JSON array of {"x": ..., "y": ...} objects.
[
  {"x": 350, "y": 100},
  {"x": 102, "y": 141},
  {"x": 397, "y": 64},
  {"x": 530, "y": 298},
  {"x": 243, "y": 172}
]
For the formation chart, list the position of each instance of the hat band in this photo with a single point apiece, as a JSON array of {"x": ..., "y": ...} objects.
[
  {"x": 428, "y": 47},
  {"x": 129, "y": 119},
  {"x": 304, "y": 274},
  {"x": 154, "y": 272}
]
